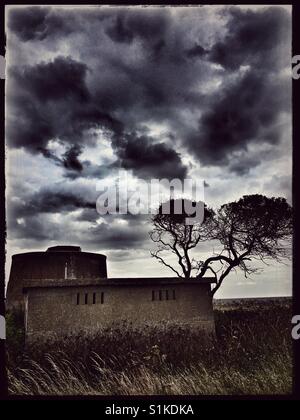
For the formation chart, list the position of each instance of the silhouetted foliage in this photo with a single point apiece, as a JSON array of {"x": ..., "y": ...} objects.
[
  {"x": 171, "y": 233},
  {"x": 254, "y": 228}
]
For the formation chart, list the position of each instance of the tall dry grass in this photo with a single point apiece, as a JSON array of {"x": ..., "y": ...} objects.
[{"x": 252, "y": 354}]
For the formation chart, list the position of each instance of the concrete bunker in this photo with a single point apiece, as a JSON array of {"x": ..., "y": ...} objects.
[{"x": 66, "y": 291}]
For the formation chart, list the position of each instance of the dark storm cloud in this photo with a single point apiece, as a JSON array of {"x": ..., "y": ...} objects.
[
  {"x": 248, "y": 108},
  {"x": 89, "y": 170},
  {"x": 31, "y": 217},
  {"x": 44, "y": 103},
  {"x": 48, "y": 154},
  {"x": 196, "y": 51},
  {"x": 88, "y": 215},
  {"x": 253, "y": 38},
  {"x": 118, "y": 32},
  {"x": 39, "y": 230},
  {"x": 28, "y": 217},
  {"x": 246, "y": 112},
  {"x": 35, "y": 228},
  {"x": 61, "y": 79},
  {"x": 38, "y": 23},
  {"x": 70, "y": 158},
  {"x": 160, "y": 86},
  {"x": 112, "y": 237},
  {"x": 141, "y": 66},
  {"x": 28, "y": 23},
  {"x": 55, "y": 103},
  {"x": 77, "y": 168},
  {"x": 50, "y": 201},
  {"x": 242, "y": 165},
  {"x": 146, "y": 158},
  {"x": 126, "y": 26}
]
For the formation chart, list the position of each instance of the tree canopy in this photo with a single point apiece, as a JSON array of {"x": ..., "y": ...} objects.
[{"x": 254, "y": 228}]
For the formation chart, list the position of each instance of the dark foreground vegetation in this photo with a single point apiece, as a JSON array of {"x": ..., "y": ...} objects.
[{"x": 252, "y": 354}]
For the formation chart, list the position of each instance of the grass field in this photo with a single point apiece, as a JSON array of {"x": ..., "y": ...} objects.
[{"x": 252, "y": 354}]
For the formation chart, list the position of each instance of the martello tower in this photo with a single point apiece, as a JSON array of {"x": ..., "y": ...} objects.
[{"x": 57, "y": 263}]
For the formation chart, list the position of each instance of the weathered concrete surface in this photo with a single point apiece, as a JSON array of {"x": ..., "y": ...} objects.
[
  {"x": 56, "y": 311},
  {"x": 65, "y": 291},
  {"x": 55, "y": 263}
]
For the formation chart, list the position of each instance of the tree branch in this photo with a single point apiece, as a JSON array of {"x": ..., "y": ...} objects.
[{"x": 161, "y": 260}]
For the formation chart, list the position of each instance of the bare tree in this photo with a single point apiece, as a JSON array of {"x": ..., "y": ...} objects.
[
  {"x": 170, "y": 233},
  {"x": 252, "y": 229}
]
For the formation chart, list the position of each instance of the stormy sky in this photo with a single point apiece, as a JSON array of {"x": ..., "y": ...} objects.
[{"x": 158, "y": 92}]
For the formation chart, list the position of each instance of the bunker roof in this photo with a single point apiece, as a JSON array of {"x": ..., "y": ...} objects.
[{"x": 133, "y": 281}]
